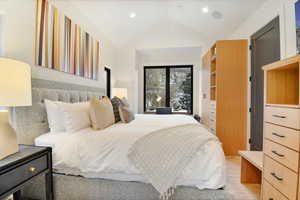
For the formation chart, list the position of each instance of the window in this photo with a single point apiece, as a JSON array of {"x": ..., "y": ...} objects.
[{"x": 168, "y": 86}]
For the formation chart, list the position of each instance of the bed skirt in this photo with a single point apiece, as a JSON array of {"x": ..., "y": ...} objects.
[{"x": 78, "y": 188}]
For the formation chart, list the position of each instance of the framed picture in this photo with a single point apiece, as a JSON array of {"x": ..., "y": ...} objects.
[{"x": 62, "y": 45}]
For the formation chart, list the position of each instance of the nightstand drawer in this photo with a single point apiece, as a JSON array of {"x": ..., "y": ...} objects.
[
  {"x": 282, "y": 178},
  {"x": 15, "y": 176},
  {"x": 288, "y": 117},
  {"x": 285, "y": 156},
  {"x": 285, "y": 136},
  {"x": 271, "y": 193}
]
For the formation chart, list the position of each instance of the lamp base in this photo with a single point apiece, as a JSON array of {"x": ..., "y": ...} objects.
[{"x": 8, "y": 138}]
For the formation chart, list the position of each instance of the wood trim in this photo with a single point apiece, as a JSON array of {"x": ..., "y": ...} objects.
[
  {"x": 281, "y": 63},
  {"x": 232, "y": 85},
  {"x": 250, "y": 174}
]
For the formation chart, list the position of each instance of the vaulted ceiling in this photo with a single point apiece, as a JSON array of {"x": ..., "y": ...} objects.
[{"x": 112, "y": 17}]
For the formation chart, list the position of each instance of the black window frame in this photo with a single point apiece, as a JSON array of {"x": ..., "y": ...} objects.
[{"x": 168, "y": 67}]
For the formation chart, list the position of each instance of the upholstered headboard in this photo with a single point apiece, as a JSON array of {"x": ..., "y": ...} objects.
[{"x": 31, "y": 122}]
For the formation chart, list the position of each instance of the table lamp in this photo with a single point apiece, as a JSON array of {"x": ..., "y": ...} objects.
[
  {"x": 15, "y": 90},
  {"x": 119, "y": 92}
]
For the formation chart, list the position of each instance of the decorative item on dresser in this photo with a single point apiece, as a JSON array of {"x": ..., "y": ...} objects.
[
  {"x": 281, "y": 130},
  {"x": 19, "y": 169},
  {"x": 224, "y": 87}
]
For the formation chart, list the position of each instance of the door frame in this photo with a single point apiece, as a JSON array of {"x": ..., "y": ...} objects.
[
  {"x": 167, "y": 67},
  {"x": 274, "y": 23},
  {"x": 108, "y": 81}
]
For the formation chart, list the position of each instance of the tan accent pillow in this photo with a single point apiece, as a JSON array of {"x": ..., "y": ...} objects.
[
  {"x": 126, "y": 114},
  {"x": 101, "y": 113}
]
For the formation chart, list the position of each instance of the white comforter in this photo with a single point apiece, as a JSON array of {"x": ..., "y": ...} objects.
[{"x": 103, "y": 154}]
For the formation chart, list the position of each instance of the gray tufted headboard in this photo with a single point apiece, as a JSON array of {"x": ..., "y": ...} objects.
[{"x": 31, "y": 122}]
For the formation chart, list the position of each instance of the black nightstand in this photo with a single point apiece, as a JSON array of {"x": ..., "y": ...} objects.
[{"x": 18, "y": 169}]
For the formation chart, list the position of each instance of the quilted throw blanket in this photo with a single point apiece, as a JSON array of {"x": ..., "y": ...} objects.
[{"x": 163, "y": 155}]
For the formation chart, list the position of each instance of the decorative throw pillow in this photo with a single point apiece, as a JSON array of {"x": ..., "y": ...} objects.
[
  {"x": 126, "y": 114},
  {"x": 124, "y": 102},
  {"x": 76, "y": 116},
  {"x": 55, "y": 116},
  {"x": 101, "y": 113},
  {"x": 116, "y": 102}
]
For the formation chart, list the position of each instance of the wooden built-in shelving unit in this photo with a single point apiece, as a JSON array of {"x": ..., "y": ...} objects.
[
  {"x": 224, "y": 84},
  {"x": 213, "y": 72}
]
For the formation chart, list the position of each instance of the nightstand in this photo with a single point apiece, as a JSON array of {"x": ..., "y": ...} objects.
[{"x": 20, "y": 168}]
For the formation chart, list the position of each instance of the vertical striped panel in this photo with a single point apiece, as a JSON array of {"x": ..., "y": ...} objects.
[
  {"x": 37, "y": 30},
  {"x": 62, "y": 45},
  {"x": 72, "y": 48},
  {"x": 50, "y": 35},
  {"x": 56, "y": 41},
  {"x": 82, "y": 54},
  {"x": 98, "y": 59},
  {"x": 41, "y": 33},
  {"x": 67, "y": 44},
  {"x": 46, "y": 47}
]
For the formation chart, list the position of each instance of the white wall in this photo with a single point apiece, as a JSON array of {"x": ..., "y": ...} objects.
[
  {"x": 172, "y": 36},
  {"x": 268, "y": 11},
  {"x": 19, "y": 31},
  {"x": 169, "y": 57}
]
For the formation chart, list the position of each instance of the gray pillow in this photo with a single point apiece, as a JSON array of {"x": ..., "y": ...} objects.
[
  {"x": 124, "y": 102},
  {"x": 126, "y": 114}
]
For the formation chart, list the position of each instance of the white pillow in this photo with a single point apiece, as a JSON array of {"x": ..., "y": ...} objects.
[
  {"x": 55, "y": 116},
  {"x": 76, "y": 116}
]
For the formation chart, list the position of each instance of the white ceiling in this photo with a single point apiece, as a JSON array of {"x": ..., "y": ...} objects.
[{"x": 111, "y": 17}]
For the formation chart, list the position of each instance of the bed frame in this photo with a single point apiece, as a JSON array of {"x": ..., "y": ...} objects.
[{"x": 31, "y": 122}]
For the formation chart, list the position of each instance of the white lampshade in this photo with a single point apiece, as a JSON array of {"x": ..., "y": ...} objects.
[
  {"x": 119, "y": 92},
  {"x": 15, "y": 83}
]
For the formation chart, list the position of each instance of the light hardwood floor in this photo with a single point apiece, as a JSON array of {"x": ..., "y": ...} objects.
[{"x": 233, "y": 186}]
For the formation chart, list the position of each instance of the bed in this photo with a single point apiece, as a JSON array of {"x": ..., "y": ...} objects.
[{"x": 115, "y": 178}]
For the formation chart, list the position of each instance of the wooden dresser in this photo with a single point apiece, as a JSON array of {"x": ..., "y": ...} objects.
[
  {"x": 281, "y": 131},
  {"x": 224, "y": 88}
]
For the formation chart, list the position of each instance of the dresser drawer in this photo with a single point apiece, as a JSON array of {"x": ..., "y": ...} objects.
[
  {"x": 213, "y": 105},
  {"x": 271, "y": 193},
  {"x": 285, "y": 156},
  {"x": 288, "y": 117},
  {"x": 213, "y": 113},
  {"x": 280, "y": 177},
  {"x": 212, "y": 130},
  {"x": 285, "y": 136},
  {"x": 22, "y": 173}
]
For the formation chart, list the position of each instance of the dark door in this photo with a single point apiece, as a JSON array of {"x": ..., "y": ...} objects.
[
  {"x": 265, "y": 45},
  {"x": 108, "y": 81}
]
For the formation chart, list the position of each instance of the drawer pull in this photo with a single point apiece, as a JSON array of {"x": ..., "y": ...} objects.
[
  {"x": 278, "y": 154},
  {"x": 271, "y": 199},
  {"x": 32, "y": 169},
  {"x": 276, "y": 134},
  {"x": 279, "y": 116},
  {"x": 275, "y": 176}
]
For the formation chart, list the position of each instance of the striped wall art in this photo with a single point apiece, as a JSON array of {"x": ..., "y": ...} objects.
[{"x": 62, "y": 45}]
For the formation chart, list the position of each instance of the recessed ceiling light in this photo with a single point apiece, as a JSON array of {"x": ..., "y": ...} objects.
[
  {"x": 132, "y": 15},
  {"x": 205, "y": 9}
]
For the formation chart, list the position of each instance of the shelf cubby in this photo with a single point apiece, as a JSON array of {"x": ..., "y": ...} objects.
[{"x": 282, "y": 84}]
